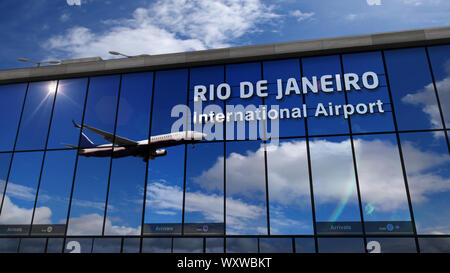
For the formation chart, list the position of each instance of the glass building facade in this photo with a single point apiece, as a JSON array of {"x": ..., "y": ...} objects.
[{"x": 377, "y": 182}]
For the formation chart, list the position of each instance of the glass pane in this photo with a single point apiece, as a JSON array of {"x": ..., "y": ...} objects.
[
  {"x": 412, "y": 89},
  {"x": 204, "y": 189},
  {"x": 391, "y": 245},
  {"x": 242, "y": 245},
  {"x": 427, "y": 164},
  {"x": 440, "y": 61},
  {"x": 20, "y": 194},
  {"x": 9, "y": 245},
  {"x": 124, "y": 216},
  {"x": 379, "y": 169},
  {"x": 289, "y": 191},
  {"x": 32, "y": 245},
  {"x": 275, "y": 245},
  {"x": 305, "y": 245},
  {"x": 164, "y": 204},
  {"x": 156, "y": 245},
  {"x": 54, "y": 193},
  {"x": 88, "y": 202},
  {"x": 131, "y": 245},
  {"x": 188, "y": 245},
  {"x": 380, "y": 119},
  {"x": 36, "y": 116},
  {"x": 107, "y": 245},
  {"x": 214, "y": 245},
  {"x": 69, "y": 106},
  {"x": 284, "y": 70},
  {"x": 434, "y": 245},
  {"x": 78, "y": 245},
  {"x": 55, "y": 245},
  {"x": 11, "y": 101},
  {"x": 5, "y": 160},
  {"x": 246, "y": 211},
  {"x": 335, "y": 193},
  {"x": 341, "y": 245},
  {"x": 317, "y": 67}
]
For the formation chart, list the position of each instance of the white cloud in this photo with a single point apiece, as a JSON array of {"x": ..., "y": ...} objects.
[
  {"x": 168, "y": 26},
  {"x": 91, "y": 224},
  {"x": 13, "y": 214},
  {"x": 374, "y": 2},
  {"x": 301, "y": 16},
  {"x": 73, "y": 2},
  {"x": 64, "y": 17}
]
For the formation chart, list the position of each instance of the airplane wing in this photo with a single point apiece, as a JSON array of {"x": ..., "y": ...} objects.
[{"x": 121, "y": 141}]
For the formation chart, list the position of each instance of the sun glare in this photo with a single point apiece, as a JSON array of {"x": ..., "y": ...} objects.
[{"x": 51, "y": 88}]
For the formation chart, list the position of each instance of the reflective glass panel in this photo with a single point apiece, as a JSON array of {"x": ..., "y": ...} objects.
[
  {"x": 55, "y": 245},
  {"x": 214, "y": 245},
  {"x": 9, "y": 245},
  {"x": 131, "y": 245},
  {"x": 305, "y": 245},
  {"x": 440, "y": 62},
  {"x": 5, "y": 160},
  {"x": 36, "y": 116},
  {"x": 275, "y": 245},
  {"x": 107, "y": 245},
  {"x": 246, "y": 211},
  {"x": 156, "y": 245},
  {"x": 434, "y": 245},
  {"x": 391, "y": 245},
  {"x": 11, "y": 101},
  {"x": 341, "y": 245},
  {"x": 242, "y": 245},
  {"x": 78, "y": 245},
  {"x": 32, "y": 245},
  {"x": 188, "y": 245}
]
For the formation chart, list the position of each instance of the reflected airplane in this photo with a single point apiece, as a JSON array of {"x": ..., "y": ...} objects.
[{"x": 121, "y": 147}]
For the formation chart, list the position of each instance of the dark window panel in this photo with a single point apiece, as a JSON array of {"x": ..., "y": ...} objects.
[
  {"x": 289, "y": 188},
  {"x": 427, "y": 165},
  {"x": 305, "y": 245},
  {"x": 9, "y": 245},
  {"x": 412, "y": 89},
  {"x": 107, "y": 245},
  {"x": 434, "y": 245},
  {"x": 156, "y": 245},
  {"x": 36, "y": 116},
  {"x": 242, "y": 245},
  {"x": 69, "y": 106},
  {"x": 440, "y": 62},
  {"x": 188, "y": 245},
  {"x": 55, "y": 245},
  {"x": 336, "y": 200},
  {"x": 78, "y": 245},
  {"x": 32, "y": 245},
  {"x": 214, "y": 245},
  {"x": 131, "y": 245},
  {"x": 246, "y": 211},
  {"x": 341, "y": 245},
  {"x": 11, "y": 101},
  {"x": 391, "y": 245},
  {"x": 275, "y": 245}
]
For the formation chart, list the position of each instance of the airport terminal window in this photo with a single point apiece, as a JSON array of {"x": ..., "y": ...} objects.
[
  {"x": 78, "y": 245},
  {"x": 55, "y": 245},
  {"x": 69, "y": 105},
  {"x": 54, "y": 193},
  {"x": 214, "y": 245},
  {"x": 383, "y": 194},
  {"x": 5, "y": 160},
  {"x": 393, "y": 245},
  {"x": 434, "y": 245},
  {"x": 360, "y": 63},
  {"x": 319, "y": 66},
  {"x": 246, "y": 211},
  {"x": 107, "y": 245},
  {"x": 131, "y": 245},
  {"x": 275, "y": 245},
  {"x": 157, "y": 245},
  {"x": 127, "y": 179},
  {"x": 341, "y": 245},
  {"x": 412, "y": 89},
  {"x": 335, "y": 192},
  {"x": 242, "y": 245},
  {"x": 305, "y": 245},
  {"x": 187, "y": 245},
  {"x": 427, "y": 164},
  {"x": 18, "y": 204},
  {"x": 9, "y": 245},
  {"x": 36, "y": 116},
  {"x": 440, "y": 62},
  {"x": 89, "y": 194},
  {"x": 284, "y": 69},
  {"x": 11, "y": 101},
  {"x": 204, "y": 205},
  {"x": 32, "y": 245},
  {"x": 289, "y": 188}
]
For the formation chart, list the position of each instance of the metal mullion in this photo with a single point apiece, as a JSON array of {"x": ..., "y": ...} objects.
[
  {"x": 146, "y": 169},
  {"x": 355, "y": 166},
  {"x": 185, "y": 154},
  {"x": 224, "y": 171},
  {"x": 111, "y": 157},
  {"x": 14, "y": 147},
  {"x": 43, "y": 158},
  {"x": 437, "y": 97},
  {"x": 405, "y": 178},
  {"x": 308, "y": 155},
  {"x": 76, "y": 165}
]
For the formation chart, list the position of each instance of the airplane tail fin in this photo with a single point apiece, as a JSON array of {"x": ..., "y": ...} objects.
[{"x": 85, "y": 142}]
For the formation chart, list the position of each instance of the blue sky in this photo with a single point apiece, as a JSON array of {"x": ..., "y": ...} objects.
[{"x": 65, "y": 29}]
